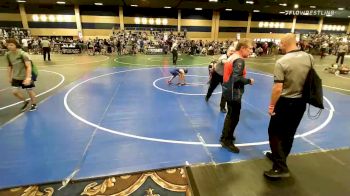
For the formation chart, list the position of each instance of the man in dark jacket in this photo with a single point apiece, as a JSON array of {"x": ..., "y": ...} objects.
[
  {"x": 217, "y": 75},
  {"x": 233, "y": 89}
]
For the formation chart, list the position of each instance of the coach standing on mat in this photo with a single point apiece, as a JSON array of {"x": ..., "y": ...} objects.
[
  {"x": 286, "y": 106},
  {"x": 217, "y": 76},
  {"x": 45, "y": 44},
  {"x": 233, "y": 89}
]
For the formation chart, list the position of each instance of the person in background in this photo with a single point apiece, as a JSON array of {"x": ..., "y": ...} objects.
[
  {"x": 211, "y": 68},
  {"x": 217, "y": 77},
  {"x": 323, "y": 49},
  {"x": 45, "y": 44},
  {"x": 174, "y": 49},
  {"x": 25, "y": 45},
  {"x": 342, "y": 50}
]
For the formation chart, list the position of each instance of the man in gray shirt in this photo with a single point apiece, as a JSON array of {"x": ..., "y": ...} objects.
[
  {"x": 287, "y": 106},
  {"x": 342, "y": 50},
  {"x": 45, "y": 44},
  {"x": 217, "y": 75},
  {"x": 20, "y": 73}
]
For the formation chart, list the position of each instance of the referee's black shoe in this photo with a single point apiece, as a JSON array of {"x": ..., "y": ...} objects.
[
  {"x": 269, "y": 155},
  {"x": 230, "y": 147},
  {"x": 274, "y": 173},
  {"x": 223, "y": 110}
]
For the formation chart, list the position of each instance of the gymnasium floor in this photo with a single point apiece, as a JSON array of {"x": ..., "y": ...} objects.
[{"x": 108, "y": 115}]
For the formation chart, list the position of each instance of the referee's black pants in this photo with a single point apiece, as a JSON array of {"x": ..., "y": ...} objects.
[
  {"x": 216, "y": 79},
  {"x": 46, "y": 50},
  {"x": 341, "y": 57},
  {"x": 282, "y": 128},
  {"x": 175, "y": 55}
]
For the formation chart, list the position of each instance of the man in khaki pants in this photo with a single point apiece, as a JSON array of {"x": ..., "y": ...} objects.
[{"x": 342, "y": 50}]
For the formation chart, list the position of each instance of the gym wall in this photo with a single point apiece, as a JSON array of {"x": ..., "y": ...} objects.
[
  {"x": 98, "y": 21},
  {"x": 62, "y": 24},
  {"x": 10, "y": 17}
]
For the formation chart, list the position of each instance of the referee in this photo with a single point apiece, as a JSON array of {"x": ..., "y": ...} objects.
[
  {"x": 217, "y": 77},
  {"x": 45, "y": 44}
]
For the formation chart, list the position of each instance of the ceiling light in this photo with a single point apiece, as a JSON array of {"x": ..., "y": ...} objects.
[
  {"x": 266, "y": 24},
  {"x": 98, "y": 3},
  {"x": 249, "y": 2},
  {"x": 277, "y": 25},
  {"x": 165, "y": 21},
  {"x": 167, "y": 7},
  {"x": 256, "y": 10},
  {"x": 52, "y": 18},
  {"x": 312, "y": 6},
  {"x": 228, "y": 9},
  {"x": 137, "y": 20},
  {"x": 213, "y": 0},
  {"x": 67, "y": 18},
  {"x": 133, "y": 5},
  {"x": 43, "y": 18},
  {"x": 151, "y": 21},
  {"x": 338, "y": 28},
  {"x": 282, "y": 25},
  {"x": 271, "y": 24},
  {"x": 198, "y": 8},
  {"x": 325, "y": 27},
  {"x": 144, "y": 20},
  {"x": 283, "y": 4},
  {"x": 343, "y": 28},
  {"x": 21, "y": 1},
  {"x": 341, "y": 8},
  {"x": 334, "y": 27},
  {"x": 158, "y": 21},
  {"x": 296, "y": 6},
  {"x": 35, "y": 17},
  {"x": 59, "y": 18},
  {"x": 61, "y": 2},
  {"x": 261, "y": 24}
]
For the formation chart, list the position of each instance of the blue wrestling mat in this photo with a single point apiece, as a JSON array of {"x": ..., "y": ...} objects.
[{"x": 118, "y": 120}]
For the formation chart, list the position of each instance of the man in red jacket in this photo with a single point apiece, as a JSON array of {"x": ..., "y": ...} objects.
[{"x": 233, "y": 89}]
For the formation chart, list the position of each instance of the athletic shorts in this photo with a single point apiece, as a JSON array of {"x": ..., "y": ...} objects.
[
  {"x": 19, "y": 83},
  {"x": 174, "y": 73}
]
